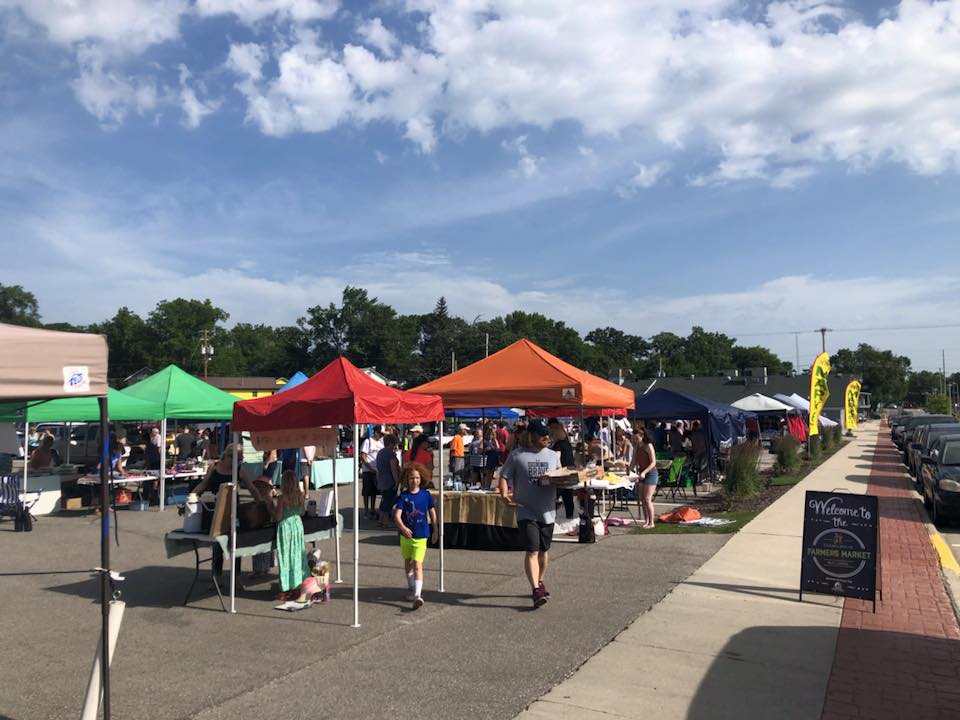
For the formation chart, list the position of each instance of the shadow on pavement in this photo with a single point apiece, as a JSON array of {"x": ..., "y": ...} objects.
[
  {"x": 778, "y": 671},
  {"x": 761, "y": 590}
]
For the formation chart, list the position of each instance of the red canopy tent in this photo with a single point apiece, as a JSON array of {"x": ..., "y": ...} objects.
[{"x": 340, "y": 394}]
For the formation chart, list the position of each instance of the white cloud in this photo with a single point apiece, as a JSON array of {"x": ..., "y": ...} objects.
[
  {"x": 646, "y": 177},
  {"x": 382, "y": 157},
  {"x": 377, "y": 36},
  {"x": 194, "y": 109},
  {"x": 529, "y": 164},
  {"x": 108, "y": 95},
  {"x": 127, "y": 25},
  {"x": 808, "y": 83},
  {"x": 253, "y": 11}
]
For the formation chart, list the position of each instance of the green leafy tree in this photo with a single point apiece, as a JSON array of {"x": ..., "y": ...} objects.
[
  {"x": 130, "y": 342},
  {"x": 884, "y": 374},
  {"x": 18, "y": 306},
  {"x": 177, "y": 329},
  {"x": 620, "y": 350},
  {"x": 667, "y": 355},
  {"x": 707, "y": 353},
  {"x": 923, "y": 384},
  {"x": 757, "y": 356},
  {"x": 938, "y": 404},
  {"x": 365, "y": 330}
]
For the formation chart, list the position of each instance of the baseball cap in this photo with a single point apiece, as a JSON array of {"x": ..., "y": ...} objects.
[
  {"x": 416, "y": 428},
  {"x": 538, "y": 427}
]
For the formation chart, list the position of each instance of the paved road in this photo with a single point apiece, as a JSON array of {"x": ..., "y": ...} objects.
[{"x": 465, "y": 653}]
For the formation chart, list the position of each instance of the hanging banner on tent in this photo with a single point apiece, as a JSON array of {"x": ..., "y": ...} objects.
[
  {"x": 819, "y": 392},
  {"x": 851, "y": 404},
  {"x": 323, "y": 438}
]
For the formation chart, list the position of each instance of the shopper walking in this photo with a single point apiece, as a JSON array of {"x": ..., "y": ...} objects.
[
  {"x": 369, "y": 449},
  {"x": 536, "y": 502},
  {"x": 414, "y": 514}
]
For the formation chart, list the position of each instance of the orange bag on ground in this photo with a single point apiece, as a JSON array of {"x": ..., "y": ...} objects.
[{"x": 681, "y": 514}]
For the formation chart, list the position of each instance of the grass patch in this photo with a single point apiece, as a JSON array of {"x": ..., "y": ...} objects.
[
  {"x": 786, "y": 480},
  {"x": 741, "y": 518}
]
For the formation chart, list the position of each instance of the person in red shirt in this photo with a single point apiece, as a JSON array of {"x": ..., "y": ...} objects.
[{"x": 502, "y": 436}]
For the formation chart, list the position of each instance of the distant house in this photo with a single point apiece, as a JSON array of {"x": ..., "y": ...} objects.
[
  {"x": 732, "y": 385},
  {"x": 247, "y": 387}
]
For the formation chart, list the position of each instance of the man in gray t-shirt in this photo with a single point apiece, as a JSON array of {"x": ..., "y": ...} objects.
[{"x": 535, "y": 500}]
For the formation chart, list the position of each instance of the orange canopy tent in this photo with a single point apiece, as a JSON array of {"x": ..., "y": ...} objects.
[{"x": 525, "y": 375}]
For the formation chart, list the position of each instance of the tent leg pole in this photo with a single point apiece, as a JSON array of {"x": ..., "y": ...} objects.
[
  {"x": 233, "y": 524},
  {"x": 336, "y": 509},
  {"x": 356, "y": 525},
  {"x": 163, "y": 464},
  {"x": 26, "y": 457},
  {"x": 442, "y": 588},
  {"x": 66, "y": 442},
  {"x": 104, "y": 556}
]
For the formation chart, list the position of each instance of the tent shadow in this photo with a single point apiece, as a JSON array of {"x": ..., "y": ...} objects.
[
  {"x": 749, "y": 671},
  {"x": 789, "y": 594},
  {"x": 156, "y": 586},
  {"x": 394, "y": 597}
]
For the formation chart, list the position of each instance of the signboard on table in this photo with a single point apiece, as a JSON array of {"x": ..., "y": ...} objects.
[
  {"x": 840, "y": 545},
  {"x": 324, "y": 439}
]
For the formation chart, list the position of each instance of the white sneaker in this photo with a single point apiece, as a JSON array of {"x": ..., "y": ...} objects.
[{"x": 417, "y": 602}]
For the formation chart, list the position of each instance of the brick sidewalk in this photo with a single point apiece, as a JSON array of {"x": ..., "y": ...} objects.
[{"x": 903, "y": 661}]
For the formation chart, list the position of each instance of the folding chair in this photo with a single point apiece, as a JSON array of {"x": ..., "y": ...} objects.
[
  {"x": 10, "y": 503},
  {"x": 674, "y": 482}
]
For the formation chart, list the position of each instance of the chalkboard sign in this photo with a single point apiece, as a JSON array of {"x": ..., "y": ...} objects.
[{"x": 840, "y": 545}]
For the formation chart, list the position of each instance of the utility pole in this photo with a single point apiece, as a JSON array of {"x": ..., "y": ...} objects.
[
  {"x": 823, "y": 338},
  {"x": 486, "y": 345},
  {"x": 943, "y": 376},
  {"x": 207, "y": 351},
  {"x": 453, "y": 361},
  {"x": 796, "y": 347}
]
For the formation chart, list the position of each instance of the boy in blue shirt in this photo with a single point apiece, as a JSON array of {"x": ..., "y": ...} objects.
[{"x": 414, "y": 513}]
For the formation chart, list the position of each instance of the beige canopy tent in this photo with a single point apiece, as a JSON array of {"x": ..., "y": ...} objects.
[
  {"x": 39, "y": 365},
  {"x": 43, "y": 364}
]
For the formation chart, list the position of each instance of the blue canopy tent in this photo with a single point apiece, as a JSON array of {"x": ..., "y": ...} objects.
[
  {"x": 723, "y": 424},
  {"x": 297, "y": 379},
  {"x": 493, "y": 413}
]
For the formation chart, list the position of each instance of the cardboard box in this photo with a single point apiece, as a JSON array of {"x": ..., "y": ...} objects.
[{"x": 71, "y": 503}]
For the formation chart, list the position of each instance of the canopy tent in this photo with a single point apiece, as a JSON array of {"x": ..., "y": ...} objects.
[
  {"x": 525, "y": 375},
  {"x": 298, "y": 379},
  {"x": 44, "y": 364},
  {"x": 492, "y": 413},
  {"x": 769, "y": 407},
  {"x": 723, "y": 424},
  {"x": 549, "y": 412},
  {"x": 340, "y": 394},
  {"x": 81, "y": 409},
  {"x": 181, "y": 396},
  {"x": 761, "y": 404},
  {"x": 803, "y": 404}
]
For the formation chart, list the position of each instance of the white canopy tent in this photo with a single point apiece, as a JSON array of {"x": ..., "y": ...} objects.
[
  {"x": 804, "y": 404},
  {"x": 761, "y": 403}
]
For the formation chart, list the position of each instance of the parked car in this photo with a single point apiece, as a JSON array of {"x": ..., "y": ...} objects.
[
  {"x": 904, "y": 430},
  {"x": 924, "y": 438},
  {"x": 940, "y": 484}
]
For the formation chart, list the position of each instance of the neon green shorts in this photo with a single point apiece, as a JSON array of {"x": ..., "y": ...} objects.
[{"x": 413, "y": 548}]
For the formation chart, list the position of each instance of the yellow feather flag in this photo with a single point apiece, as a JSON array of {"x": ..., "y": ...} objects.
[
  {"x": 819, "y": 392},
  {"x": 851, "y": 403}
]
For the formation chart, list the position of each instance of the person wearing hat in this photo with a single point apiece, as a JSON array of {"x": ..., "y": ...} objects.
[
  {"x": 457, "y": 452},
  {"x": 420, "y": 452},
  {"x": 536, "y": 501}
]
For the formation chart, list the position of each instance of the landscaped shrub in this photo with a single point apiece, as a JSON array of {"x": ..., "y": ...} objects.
[
  {"x": 743, "y": 476},
  {"x": 826, "y": 440},
  {"x": 815, "y": 451},
  {"x": 787, "y": 458}
]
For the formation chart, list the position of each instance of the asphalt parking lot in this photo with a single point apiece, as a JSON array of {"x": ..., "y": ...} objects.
[{"x": 477, "y": 649}]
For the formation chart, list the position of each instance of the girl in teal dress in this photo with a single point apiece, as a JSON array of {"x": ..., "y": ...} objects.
[{"x": 286, "y": 513}]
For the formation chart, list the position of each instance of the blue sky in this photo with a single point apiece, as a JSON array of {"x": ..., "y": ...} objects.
[{"x": 749, "y": 167}]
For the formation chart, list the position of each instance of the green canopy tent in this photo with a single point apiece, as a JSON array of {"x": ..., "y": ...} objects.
[
  {"x": 81, "y": 409},
  {"x": 181, "y": 396}
]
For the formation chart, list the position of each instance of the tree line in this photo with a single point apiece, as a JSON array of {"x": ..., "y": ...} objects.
[{"x": 415, "y": 348}]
